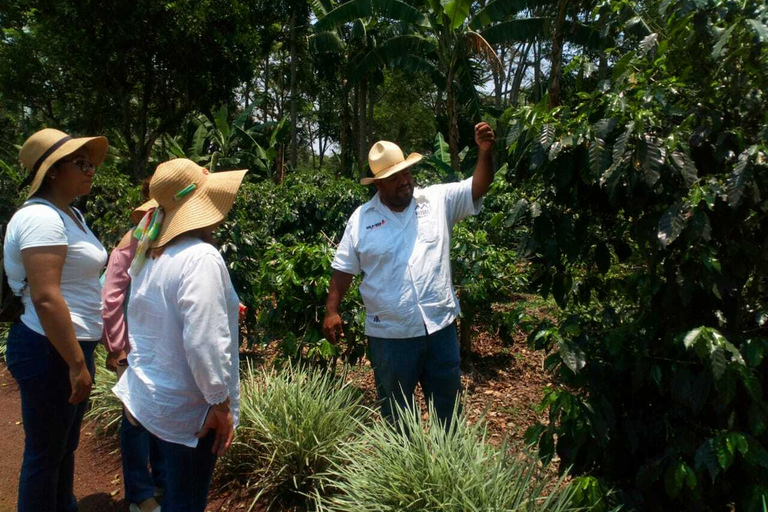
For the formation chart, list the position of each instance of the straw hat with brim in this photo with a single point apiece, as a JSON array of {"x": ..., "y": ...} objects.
[
  {"x": 138, "y": 213},
  {"x": 48, "y": 146},
  {"x": 191, "y": 197},
  {"x": 385, "y": 159}
]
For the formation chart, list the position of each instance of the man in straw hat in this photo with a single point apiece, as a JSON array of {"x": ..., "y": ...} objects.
[{"x": 400, "y": 241}]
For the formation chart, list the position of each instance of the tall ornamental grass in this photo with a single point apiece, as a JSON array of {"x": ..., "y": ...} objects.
[
  {"x": 292, "y": 422},
  {"x": 104, "y": 409},
  {"x": 420, "y": 467}
]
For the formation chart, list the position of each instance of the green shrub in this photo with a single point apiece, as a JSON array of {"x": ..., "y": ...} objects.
[
  {"x": 292, "y": 422},
  {"x": 104, "y": 408},
  {"x": 646, "y": 221},
  {"x": 421, "y": 467}
]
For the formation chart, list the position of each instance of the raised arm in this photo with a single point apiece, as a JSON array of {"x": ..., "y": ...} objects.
[
  {"x": 483, "y": 175},
  {"x": 332, "y": 324}
]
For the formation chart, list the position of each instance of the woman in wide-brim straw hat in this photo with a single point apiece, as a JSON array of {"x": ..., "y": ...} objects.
[
  {"x": 182, "y": 382},
  {"x": 53, "y": 261}
]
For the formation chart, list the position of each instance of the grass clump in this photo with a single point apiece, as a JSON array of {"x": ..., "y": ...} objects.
[
  {"x": 419, "y": 466},
  {"x": 104, "y": 408},
  {"x": 292, "y": 422}
]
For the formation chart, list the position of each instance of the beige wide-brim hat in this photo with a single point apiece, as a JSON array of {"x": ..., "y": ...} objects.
[
  {"x": 191, "y": 197},
  {"x": 385, "y": 159},
  {"x": 138, "y": 213},
  {"x": 48, "y": 146}
]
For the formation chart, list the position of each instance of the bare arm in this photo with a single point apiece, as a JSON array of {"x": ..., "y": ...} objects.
[
  {"x": 43, "y": 266},
  {"x": 484, "y": 170},
  {"x": 332, "y": 324}
]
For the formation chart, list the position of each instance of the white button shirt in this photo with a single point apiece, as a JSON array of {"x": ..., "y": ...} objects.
[
  {"x": 183, "y": 331},
  {"x": 405, "y": 260}
]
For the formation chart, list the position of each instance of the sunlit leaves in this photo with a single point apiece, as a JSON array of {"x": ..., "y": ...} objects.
[
  {"x": 717, "y": 51},
  {"x": 671, "y": 224},
  {"x": 685, "y": 165},
  {"x": 655, "y": 155},
  {"x": 649, "y": 43},
  {"x": 737, "y": 181}
]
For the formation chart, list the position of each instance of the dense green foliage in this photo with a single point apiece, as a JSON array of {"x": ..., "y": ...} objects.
[{"x": 646, "y": 220}]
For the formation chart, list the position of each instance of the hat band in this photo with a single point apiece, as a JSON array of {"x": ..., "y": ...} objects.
[{"x": 49, "y": 152}]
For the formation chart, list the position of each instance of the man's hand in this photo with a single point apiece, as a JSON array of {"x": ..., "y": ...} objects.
[
  {"x": 333, "y": 327},
  {"x": 80, "y": 382},
  {"x": 484, "y": 136},
  {"x": 220, "y": 419}
]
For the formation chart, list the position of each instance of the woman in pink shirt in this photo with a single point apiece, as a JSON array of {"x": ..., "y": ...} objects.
[{"x": 142, "y": 488}]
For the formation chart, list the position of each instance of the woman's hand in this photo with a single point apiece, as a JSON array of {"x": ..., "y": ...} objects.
[
  {"x": 220, "y": 419},
  {"x": 80, "y": 382},
  {"x": 113, "y": 358}
]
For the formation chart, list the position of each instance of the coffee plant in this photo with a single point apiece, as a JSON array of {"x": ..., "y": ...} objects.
[{"x": 644, "y": 216}]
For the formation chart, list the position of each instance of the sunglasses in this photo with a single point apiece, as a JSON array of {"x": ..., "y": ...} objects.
[{"x": 81, "y": 163}]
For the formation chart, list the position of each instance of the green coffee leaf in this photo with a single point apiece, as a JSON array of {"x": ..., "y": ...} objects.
[{"x": 671, "y": 224}]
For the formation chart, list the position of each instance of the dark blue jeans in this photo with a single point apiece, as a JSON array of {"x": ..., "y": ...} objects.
[
  {"x": 432, "y": 360},
  {"x": 187, "y": 472},
  {"x": 138, "y": 448},
  {"x": 51, "y": 423}
]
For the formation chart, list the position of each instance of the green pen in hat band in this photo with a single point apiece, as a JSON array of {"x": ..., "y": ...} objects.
[{"x": 184, "y": 192}]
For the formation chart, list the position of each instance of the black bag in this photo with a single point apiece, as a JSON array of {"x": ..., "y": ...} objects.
[{"x": 11, "y": 307}]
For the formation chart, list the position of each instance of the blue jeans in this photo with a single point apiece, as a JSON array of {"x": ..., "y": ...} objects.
[
  {"x": 432, "y": 360},
  {"x": 51, "y": 423},
  {"x": 139, "y": 447},
  {"x": 187, "y": 472}
]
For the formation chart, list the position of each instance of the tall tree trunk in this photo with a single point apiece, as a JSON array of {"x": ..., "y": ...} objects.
[
  {"x": 362, "y": 128},
  {"x": 537, "y": 71},
  {"x": 354, "y": 150},
  {"x": 343, "y": 140},
  {"x": 453, "y": 123},
  {"x": 371, "y": 91},
  {"x": 522, "y": 66},
  {"x": 266, "y": 90},
  {"x": 498, "y": 80},
  {"x": 294, "y": 99},
  {"x": 557, "y": 55}
]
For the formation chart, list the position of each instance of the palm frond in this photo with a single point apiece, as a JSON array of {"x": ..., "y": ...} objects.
[
  {"x": 326, "y": 42},
  {"x": 391, "y": 49},
  {"x": 390, "y": 9},
  {"x": 499, "y": 10},
  {"x": 526, "y": 29},
  {"x": 480, "y": 47}
]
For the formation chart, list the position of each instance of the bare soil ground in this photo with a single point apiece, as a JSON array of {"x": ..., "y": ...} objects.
[{"x": 504, "y": 381}]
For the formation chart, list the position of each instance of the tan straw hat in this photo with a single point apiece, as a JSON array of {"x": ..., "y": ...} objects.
[
  {"x": 138, "y": 213},
  {"x": 191, "y": 197},
  {"x": 48, "y": 146},
  {"x": 385, "y": 159}
]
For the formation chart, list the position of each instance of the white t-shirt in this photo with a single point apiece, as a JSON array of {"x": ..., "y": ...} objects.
[
  {"x": 44, "y": 225},
  {"x": 183, "y": 313},
  {"x": 406, "y": 260}
]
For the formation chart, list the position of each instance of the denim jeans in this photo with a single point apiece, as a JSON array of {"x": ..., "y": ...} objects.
[
  {"x": 432, "y": 360},
  {"x": 138, "y": 448},
  {"x": 51, "y": 423},
  {"x": 187, "y": 472}
]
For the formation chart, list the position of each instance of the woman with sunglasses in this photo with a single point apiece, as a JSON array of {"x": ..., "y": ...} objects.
[{"x": 53, "y": 262}]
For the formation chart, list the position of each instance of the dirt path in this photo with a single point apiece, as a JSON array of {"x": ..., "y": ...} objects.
[{"x": 98, "y": 478}]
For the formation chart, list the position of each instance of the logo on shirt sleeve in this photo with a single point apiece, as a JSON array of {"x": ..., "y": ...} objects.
[{"x": 422, "y": 209}]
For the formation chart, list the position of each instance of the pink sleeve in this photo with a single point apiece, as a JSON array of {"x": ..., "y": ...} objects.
[{"x": 116, "y": 282}]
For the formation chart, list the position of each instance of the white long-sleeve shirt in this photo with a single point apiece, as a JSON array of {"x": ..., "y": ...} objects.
[
  {"x": 406, "y": 261},
  {"x": 183, "y": 318}
]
